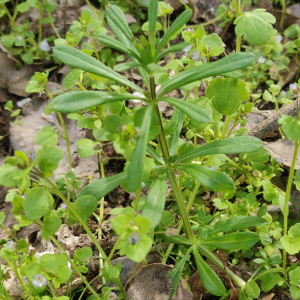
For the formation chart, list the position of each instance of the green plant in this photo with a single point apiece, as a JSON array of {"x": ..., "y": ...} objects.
[
  {"x": 20, "y": 41},
  {"x": 154, "y": 152},
  {"x": 149, "y": 117}
]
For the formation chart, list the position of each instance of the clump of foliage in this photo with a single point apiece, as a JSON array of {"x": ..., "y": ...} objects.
[{"x": 156, "y": 155}]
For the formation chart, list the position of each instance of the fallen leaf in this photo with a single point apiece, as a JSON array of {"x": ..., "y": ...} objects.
[{"x": 151, "y": 283}]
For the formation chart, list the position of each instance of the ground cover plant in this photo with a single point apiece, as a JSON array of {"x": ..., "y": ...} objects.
[{"x": 213, "y": 155}]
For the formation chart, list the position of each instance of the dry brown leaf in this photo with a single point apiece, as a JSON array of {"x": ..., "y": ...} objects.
[
  {"x": 151, "y": 283},
  {"x": 268, "y": 297}
]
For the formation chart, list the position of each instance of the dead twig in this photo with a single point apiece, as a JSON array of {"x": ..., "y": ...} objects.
[{"x": 269, "y": 125}]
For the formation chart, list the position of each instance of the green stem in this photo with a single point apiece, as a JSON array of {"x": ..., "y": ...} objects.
[
  {"x": 137, "y": 199},
  {"x": 84, "y": 225},
  {"x": 180, "y": 225},
  {"x": 92, "y": 7},
  {"x": 238, "y": 8},
  {"x": 287, "y": 196},
  {"x": 95, "y": 49},
  {"x": 276, "y": 270},
  {"x": 8, "y": 232},
  {"x": 17, "y": 272},
  {"x": 74, "y": 266},
  {"x": 225, "y": 128},
  {"x": 238, "y": 13},
  {"x": 40, "y": 27},
  {"x": 209, "y": 22},
  {"x": 282, "y": 14},
  {"x": 15, "y": 10},
  {"x": 180, "y": 203},
  {"x": 12, "y": 22},
  {"x": 171, "y": 174},
  {"x": 53, "y": 27},
  {"x": 206, "y": 252},
  {"x": 114, "y": 249},
  {"x": 66, "y": 137}
]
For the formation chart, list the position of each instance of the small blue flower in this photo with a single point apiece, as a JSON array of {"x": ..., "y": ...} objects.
[
  {"x": 195, "y": 55},
  {"x": 279, "y": 160},
  {"x": 10, "y": 244},
  {"x": 31, "y": 156},
  {"x": 63, "y": 206},
  {"x": 134, "y": 238},
  {"x": 212, "y": 168},
  {"x": 39, "y": 281},
  {"x": 187, "y": 48},
  {"x": 87, "y": 114}
]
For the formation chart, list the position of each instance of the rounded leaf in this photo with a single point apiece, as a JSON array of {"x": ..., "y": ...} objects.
[{"x": 227, "y": 94}]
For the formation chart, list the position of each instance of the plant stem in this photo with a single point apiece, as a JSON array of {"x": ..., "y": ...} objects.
[
  {"x": 12, "y": 22},
  {"x": 84, "y": 225},
  {"x": 205, "y": 251},
  {"x": 282, "y": 14},
  {"x": 114, "y": 249},
  {"x": 137, "y": 199},
  {"x": 66, "y": 137},
  {"x": 188, "y": 206},
  {"x": 95, "y": 49},
  {"x": 287, "y": 196},
  {"x": 238, "y": 13},
  {"x": 40, "y": 27},
  {"x": 17, "y": 272},
  {"x": 180, "y": 201},
  {"x": 225, "y": 128},
  {"x": 53, "y": 27},
  {"x": 209, "y": 22},
  {"x": 8, "y": 232},
  {"x": 170, "y": 172},
  {"x": 72, "y": 264}
]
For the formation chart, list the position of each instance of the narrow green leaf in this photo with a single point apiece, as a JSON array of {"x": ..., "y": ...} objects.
[
  {"x": 173, "y": 239},
  {"x": 176, "y": 25},
  {"x": 209, "y": 278},
  {"x": 238, "y": 223},
  {"x": 103, "y": 186},
  {"x": 152, "y": 16},
  {"x": 230, "y": 63},
  {"x": 77, "y": 59},
  {"x": 126, "y": 66},
  {"x": 155, "y": 202},
  {"x": 174, "y": 48},
  {"x": 175, "y": 273},
  {"x": 81, "y": 100},
  {"x": 118, "y": 24},
  {"x": 214, "y": 180},
  {"x": 135, "y": 169},
  {"x": 232, "y": 241},
  {"x": 179, "y": 117},
  {"x": 231, "y": 145},
  {"x": 85, "y": 205},
  {"x": 115, "y": 44},
  {"x": 152, "y": 152},
  {"x": 116, "y": 20},
  {"x": 191, "y": 110}
]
